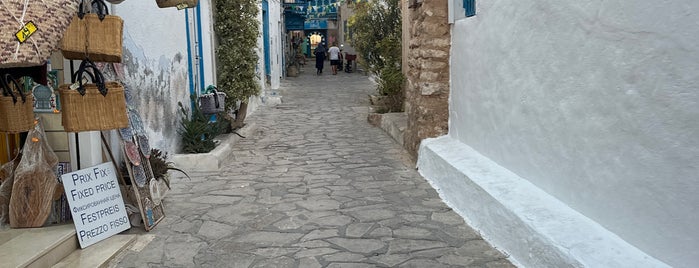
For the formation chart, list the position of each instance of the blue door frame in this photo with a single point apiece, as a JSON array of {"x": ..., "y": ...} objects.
[
  {"x": 195, "y": 53},
  {"x": 265, "y": 36}
]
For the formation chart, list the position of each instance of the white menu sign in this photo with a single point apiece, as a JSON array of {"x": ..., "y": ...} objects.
[{"x": 96, "y": 203}]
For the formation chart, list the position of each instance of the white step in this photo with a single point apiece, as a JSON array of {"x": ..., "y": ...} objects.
[
  {"x": 97, "y": 255},
  {"x": 36, "y": 247}
]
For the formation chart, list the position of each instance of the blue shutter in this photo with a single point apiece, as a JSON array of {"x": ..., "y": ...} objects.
[{"x": 470, "y": 7}]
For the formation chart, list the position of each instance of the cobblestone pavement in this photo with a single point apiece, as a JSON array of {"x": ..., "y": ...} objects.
[{"x": 315, "y": 186}]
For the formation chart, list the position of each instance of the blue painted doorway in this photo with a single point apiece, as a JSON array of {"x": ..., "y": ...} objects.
[{"x": 265, "y": 36}]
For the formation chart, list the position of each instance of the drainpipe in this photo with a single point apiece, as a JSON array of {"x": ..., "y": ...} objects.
[
  {"x": 200, "y": 40},
  {"x": 190, "y": 72}
]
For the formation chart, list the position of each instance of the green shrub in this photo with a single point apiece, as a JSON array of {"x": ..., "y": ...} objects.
[
  {"x": 377, "y": 38},
  {"x": 390, "y": 81},
  {"x": 237, "y": 29},
  {"x": 196, "y": 131}
]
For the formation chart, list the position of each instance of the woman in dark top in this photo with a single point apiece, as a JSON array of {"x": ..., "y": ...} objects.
[{"x": 320, "y": 58}]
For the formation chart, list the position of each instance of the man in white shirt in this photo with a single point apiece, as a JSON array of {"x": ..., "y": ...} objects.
[{"x": 335, "y": 57}]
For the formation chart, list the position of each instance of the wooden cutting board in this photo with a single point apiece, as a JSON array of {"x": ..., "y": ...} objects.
[{"x": 32, "y": 194}]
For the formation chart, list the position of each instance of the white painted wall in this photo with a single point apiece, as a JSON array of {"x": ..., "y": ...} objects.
[
  {"x": 345, "y": 14},
  {"x": 594, "y": 102},
  {"x": 208, "y": 41},
  {"x": 276, "y": 43},
  {"x": 260, "y": 50},
  {"x": 256, "y": 101},
  {"x": 155, "y": 66}
]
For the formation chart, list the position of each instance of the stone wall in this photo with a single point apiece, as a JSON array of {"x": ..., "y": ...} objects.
[{"x": 427, "y": 91}]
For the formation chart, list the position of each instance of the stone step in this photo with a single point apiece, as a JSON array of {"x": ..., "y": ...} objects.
[
  {"x": 97, "y": 255},
  {"x": 36, "y": 247},
  {"x": 394, "y": 124}
]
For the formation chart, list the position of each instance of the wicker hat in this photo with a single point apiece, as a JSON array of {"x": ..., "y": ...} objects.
[{"x": 49, "y": 20}]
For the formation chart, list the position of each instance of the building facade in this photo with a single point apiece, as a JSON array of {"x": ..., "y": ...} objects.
[{"x": 573, "y": 131}]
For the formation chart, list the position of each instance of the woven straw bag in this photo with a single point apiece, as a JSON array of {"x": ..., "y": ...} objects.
[
  {"x": 49, "y": 20},
  {"x": 16, "y": 107},
  {"x": 180, "y": 4},
  {"x": 213, "y": 101},
  {"x": 97, "y": 36},
  {"x": 98, "y": 105}
]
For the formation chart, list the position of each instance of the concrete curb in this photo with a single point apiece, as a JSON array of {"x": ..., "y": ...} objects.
[
  {"x": 394, "y": 124},
  {"x": 212, "y": 160},
  {"x": 511, "y": 213}
]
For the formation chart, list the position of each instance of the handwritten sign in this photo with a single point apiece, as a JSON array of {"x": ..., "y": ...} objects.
[{"x": 96, "y": 203}]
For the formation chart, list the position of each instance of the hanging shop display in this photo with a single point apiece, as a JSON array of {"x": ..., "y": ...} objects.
[
  {"x": 136, "y": 146},
  {"x": 98, "y": 105},
  {"x": 16, "y": 106},
  {"x": 31, "y": 30},
  {"x": 31, "y": 194},
  {"x": 96, "y": 36}
]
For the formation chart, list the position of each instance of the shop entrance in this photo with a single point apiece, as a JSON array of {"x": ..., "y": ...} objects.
[{"x": 314, "y": 38}]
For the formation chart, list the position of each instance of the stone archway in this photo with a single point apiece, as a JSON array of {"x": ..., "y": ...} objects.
[{"x": 314, "y": 38}]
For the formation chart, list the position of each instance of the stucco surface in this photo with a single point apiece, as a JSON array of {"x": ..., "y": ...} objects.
[
  {"x": 594, "y": 102},
  {"x": 155, "y": 67},
  {"x": 533, "y": 227}
]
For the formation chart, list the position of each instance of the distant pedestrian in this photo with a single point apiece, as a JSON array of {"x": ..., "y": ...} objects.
[
  {"x": 335, "y": 57},
  {"x": 320, "y": 58}
]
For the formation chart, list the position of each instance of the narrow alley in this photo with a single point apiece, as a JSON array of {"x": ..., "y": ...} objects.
[{"x": 314, "y": 186}]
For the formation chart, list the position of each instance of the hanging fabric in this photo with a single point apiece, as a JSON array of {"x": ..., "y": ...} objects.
[{"x": 31, "y": 30}]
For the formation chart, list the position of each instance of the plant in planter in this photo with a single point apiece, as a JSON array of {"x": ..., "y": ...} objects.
[
  {"x": 237, "y": 29},
  {"x": 197, "y": 131},
  {"x": 160, "y": 166},
  {"x": 160, "y": 184}
]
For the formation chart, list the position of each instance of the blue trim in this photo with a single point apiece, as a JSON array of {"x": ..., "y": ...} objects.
[
  {"x": 265, "y": 34},
  {"x": 201, "y": 48},
  {"x": 190, "y": 71},
  {"x": 470, "y": 7}
]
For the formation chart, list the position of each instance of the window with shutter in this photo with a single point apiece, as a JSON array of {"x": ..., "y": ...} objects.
[{"x": 470, "y": 7}]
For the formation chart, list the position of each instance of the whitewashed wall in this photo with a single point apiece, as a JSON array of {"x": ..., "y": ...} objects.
[
  {"x": 208, "y": 41},
  {"x": 276, "y": 43},
  {"x": 155, "y": 65},
  {"x": 594, "y": 102}
]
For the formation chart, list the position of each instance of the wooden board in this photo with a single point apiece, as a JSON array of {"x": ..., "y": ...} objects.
[{"x": 150, "y": 213}]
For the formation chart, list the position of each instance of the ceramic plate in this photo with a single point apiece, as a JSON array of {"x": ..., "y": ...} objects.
[
  {"x": 144, "y": 145},
  {"x": 132, "y": 153},
  {"x": 139, "y": 176}
]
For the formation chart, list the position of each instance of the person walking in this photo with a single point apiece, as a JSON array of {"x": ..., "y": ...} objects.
[
  {"x": 320, "y": 58},
  {"x": 335, "y": 57}
]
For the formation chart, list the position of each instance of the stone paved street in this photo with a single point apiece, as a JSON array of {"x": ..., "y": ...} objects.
[{"x": 314, "y": 186}]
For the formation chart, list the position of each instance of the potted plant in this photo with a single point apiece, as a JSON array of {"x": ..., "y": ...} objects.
[{"x": 160, "y": 184}]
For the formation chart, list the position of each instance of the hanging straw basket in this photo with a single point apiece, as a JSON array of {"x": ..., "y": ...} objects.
[
  {"x": 180, "y": 4},
  {"x": 16, "y": 107},
  {"x": 96, "y": 106},
  {"x": 49, "y": 20},
  {"x": 212, "y": 102},
  {"x": 98, "y": 37}
]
